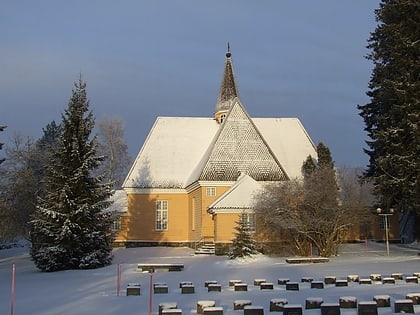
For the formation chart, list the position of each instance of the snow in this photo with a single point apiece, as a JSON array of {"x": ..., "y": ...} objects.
[{"x": 95, "y": 291}]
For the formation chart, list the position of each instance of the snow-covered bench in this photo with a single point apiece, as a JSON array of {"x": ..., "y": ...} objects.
[
  {"x": 382, "y": 300},
  {"x": 293, "y": 286},
  {"x": 388, "y": 280},
  {"x": 167, "y": 306},
  {"x": 415, "y": 297},
  {"x": 240, "y": 287},
  {"x": 240, "y": 304},
  {"x": 253, "y": 310},
  {"x": 317, "y": 285},
  {"x": 214, "y": 287},
  {"x": 277, "y": 305},
  {"x": 367, "y": 308},
  {"x": 306, "y": 260},
  {"x": 201, "y": 305},
  {"x": 348, "y": 302},
  {"x": 213, "y": 310},
  {"x": 411, "y": 279},
  {"x": 341, "y": 283},
  {"x": 353, "y": 278},
  {"x": 292, "y": 309},
  {"x": 259, "y": 281},
  {"x": 267, "y": 286},
  {"x": 187, "y": 289},
  {"x": 159, "y": 267},
  {"x": 172, "y": 311},
  {"x": 313, "y": 302},
  {"x": 160, "y": 288},
  {"x": 133, "y": 289},
  {"x": 403, "y": 306},
  {"x": 330, "y": 309}
]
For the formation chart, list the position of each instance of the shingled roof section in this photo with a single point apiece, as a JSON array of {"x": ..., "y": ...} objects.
[
  {"x": 228, "y": 89},
  {"x": 239, "y": 148}
]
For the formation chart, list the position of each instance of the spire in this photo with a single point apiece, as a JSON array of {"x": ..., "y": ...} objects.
[{"x": 228, "y": 90}]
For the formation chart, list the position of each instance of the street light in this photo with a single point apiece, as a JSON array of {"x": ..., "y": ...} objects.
[{"x": 386, "y": 215}]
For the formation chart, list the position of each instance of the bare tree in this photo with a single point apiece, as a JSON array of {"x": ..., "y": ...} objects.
[{"x": 113, "y": 147}]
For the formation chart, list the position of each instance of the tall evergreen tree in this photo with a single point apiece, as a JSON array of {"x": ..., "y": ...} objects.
[
  {"x": 392, "y": 115},
  {"x": 70, "y": 229},
  {"x": 243, "y": 244}
]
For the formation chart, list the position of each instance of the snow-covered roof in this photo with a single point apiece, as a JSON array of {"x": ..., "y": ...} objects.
[
  {"x": 239, "y": 197},
  {"x": 172, "y": 155}
]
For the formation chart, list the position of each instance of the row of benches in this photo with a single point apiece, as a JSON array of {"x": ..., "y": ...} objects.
[{"x": 208, "y": 307}]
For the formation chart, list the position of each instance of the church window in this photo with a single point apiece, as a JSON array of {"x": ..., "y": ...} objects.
[
  {"x": 222, "y": 118},
  {"x": 211, "y": 191},
  {"x": 250, "y": 219},
  {"x": 116, "y": 224},
  {"x": 161, "y": 215},
  {"x": 194, "y": 209}
]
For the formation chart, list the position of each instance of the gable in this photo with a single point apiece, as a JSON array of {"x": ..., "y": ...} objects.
[{"x": 240, "y": 148}]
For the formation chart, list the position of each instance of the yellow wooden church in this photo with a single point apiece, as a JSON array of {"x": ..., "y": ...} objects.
[{"x": 194, "y": 177}]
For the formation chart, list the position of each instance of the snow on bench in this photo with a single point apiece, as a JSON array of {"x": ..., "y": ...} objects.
[
  {"x": 330, "y": 309},
  {"x": 201, "y": 305},
  {"x": 353, "y": 278},
  {"x": 167, "y": 306},
  {"x": 292, "y": 309},
  {"x": 348, "y": 302},
  {"x": 213, "y": 310},
  {"x": 415, "y": 297},
  {"x": 214, "y": 287},
  {"x": 159, "y": 267},
  {"x": 133, "y": 289},
  {"x": 367, "y": 308},
  {"x": 306, "y": 260},
  {"x": 317, "y": 285},
  {"x": 403, "y": 306},
  {"x": 240, "y": 304},
  {"x": 313, "y": 302},
  {"x": 382, "y": 300},
  {"x": 253, "y": 310},
  {"x": 277, "y": 305}
]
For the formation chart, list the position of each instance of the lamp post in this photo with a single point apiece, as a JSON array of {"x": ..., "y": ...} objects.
[{"x": 386, "y": 215}]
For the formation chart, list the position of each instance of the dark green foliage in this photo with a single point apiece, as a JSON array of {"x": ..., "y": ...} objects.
[
  {"x": 70, "y": 229},
  {"x": 243, "y": 244},
  {"x": 392, "y": 115}
]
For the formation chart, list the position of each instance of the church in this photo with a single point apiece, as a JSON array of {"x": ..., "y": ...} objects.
[{"x": 194, "y": 177}]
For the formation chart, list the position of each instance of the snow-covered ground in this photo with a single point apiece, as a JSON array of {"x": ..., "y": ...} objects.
[{"x": 95, "y": 291}]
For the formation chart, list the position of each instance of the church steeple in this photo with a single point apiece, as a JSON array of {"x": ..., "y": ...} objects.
[{"x": 228, "y": 90}]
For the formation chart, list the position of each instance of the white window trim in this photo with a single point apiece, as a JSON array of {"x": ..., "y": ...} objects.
[
  {"x": 210, "y": 191},
  {"x": 161, "y": 219}
]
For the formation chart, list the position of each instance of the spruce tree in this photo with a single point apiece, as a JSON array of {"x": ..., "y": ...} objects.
[
  {"x": 243, "y": 244},
  {"x": 70, "y": 229},
  {"x": 392, "y": 115}
]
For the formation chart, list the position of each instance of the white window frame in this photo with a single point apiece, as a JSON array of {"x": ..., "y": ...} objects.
[
  {"x": 161, "y": 222},
  {"x": 211, "y": 191},
  {"x": 116, "y": 223},
  {"x": 250, "y": 219}
]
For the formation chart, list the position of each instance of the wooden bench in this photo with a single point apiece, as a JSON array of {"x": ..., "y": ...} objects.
[
  {"x": 206, "y": 283},
  {"x": 182, "y": 283},
  {"x": 282, "y": 281},
  {"x": 353, "y": 278},
  {"x": 253, "y": 310},
  {"x": 167, "y": 306},
  {"x": 292, "y": 286},
  {"x": 317, "y": 285},
  {"x": 313, "y": 302},
  {"x": 266, "y": 286},
  {"x": 367, "y": 308},
  {"x": 277, "y": 305},
  {"x": 403, "y": 306},
  {"x": 307, "y": 260},
  {"x": 397, "y": 276},
  {"x": 330, "y": 309},
  {"x": 187, "y": 289},
  {"x": 201, "y": 305},
  {"x": 214, "y": 287},
  {"x": 133, "y": 289},
  {"x": 213, "y": 310},
  {"x": 240, "y": 304},
  {"x": 240, "y": 287},
  {"x": 172, "y": 311},
  {"x": 382, "y": 300},
  {"x": 233, "y": 282},
  {"x": 341, "y": 283},
  {"x": 375, "y": 277},
  {"x": 411, "y": 279},
  {"x": 388, "y": 280},
  {"x": 259, "y": 281},
  {"x": 307, "y": 279},
  {"x": 292, "y": 309},
  {"x": 159, "y": 267},
  {"x": 348, "y": 302},
  {"x": 415, "y": 297},
  {"x": 330, "y": 280},
  {"x": 365, "y": 281},
  {"x": 160, "y": 288}
]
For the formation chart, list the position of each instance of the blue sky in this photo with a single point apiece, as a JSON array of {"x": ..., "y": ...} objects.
[{"x": 143, "y": 59}]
